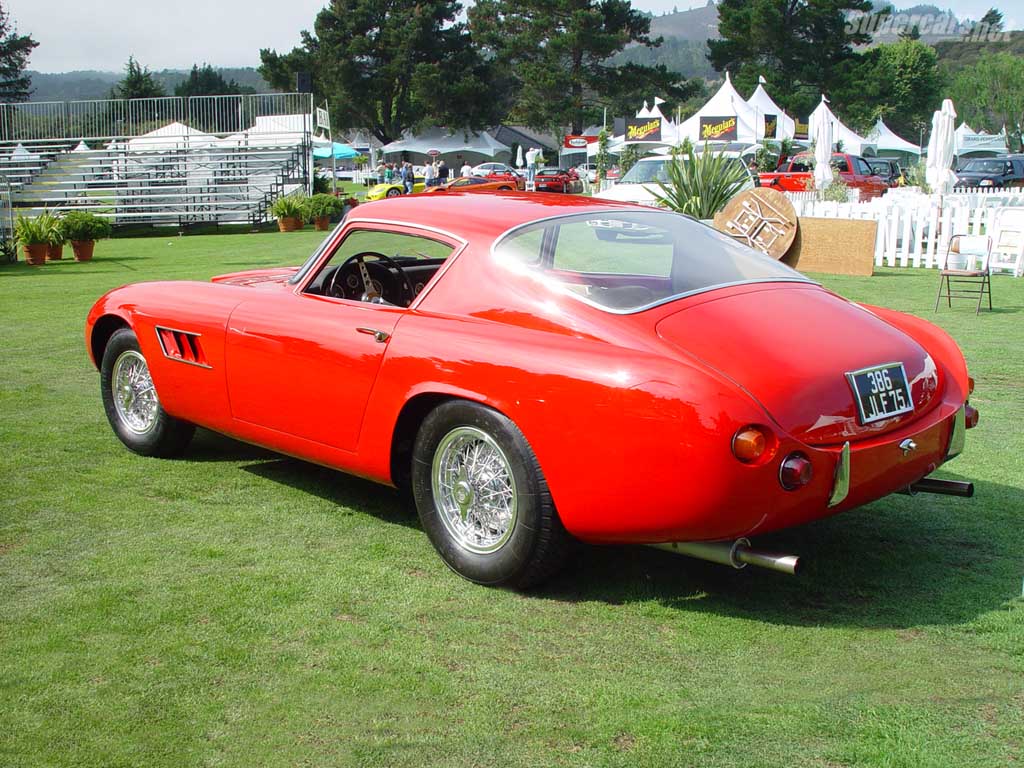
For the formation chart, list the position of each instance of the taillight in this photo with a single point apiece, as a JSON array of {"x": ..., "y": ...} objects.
[
  {"x": 749, "y": 444},
  {"x": 795, "y": 472},
  {"x": 970, "y": 385}
]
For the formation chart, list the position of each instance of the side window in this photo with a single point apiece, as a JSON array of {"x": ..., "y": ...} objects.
[
  {"x": 839, "y": 164},
  {"x": 863, "y": 168},
  {"x": 398, "y": 266}
]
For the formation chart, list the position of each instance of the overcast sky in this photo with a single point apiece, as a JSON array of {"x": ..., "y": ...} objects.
[{"x": 172, "y": 34}]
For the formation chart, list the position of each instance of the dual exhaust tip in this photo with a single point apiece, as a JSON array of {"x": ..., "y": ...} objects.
[{"x": 740, "y": 554}]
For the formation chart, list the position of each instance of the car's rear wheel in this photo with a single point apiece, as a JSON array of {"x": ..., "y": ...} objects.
[
  {"x": 482, "y": 498},
  {"x": 504, "y": 189},
  {"x": 131, "y": 403}
]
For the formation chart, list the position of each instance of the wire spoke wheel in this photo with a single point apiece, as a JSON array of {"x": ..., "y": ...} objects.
[
  {"x": 474, "y": 490},
  {"x": 134, "y": 395}
]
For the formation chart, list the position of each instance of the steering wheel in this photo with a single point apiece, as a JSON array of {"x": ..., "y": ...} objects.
[{"x": 370, "y": 292}]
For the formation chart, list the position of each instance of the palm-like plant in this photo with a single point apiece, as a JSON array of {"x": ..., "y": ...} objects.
[{"x": 701, "y": 184}]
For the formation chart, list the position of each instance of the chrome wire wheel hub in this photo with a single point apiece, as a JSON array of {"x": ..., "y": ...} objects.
[
  {"x": 134, "y": 396},
  {"x": 474, "y": 490}
]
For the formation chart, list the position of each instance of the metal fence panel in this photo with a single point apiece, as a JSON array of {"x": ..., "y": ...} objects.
[
  {"x": 216, "y": 114},
  {"x": 98, "y": 118},
  {"x": 146, "y": 115},
  {"x": 32, "y": 120}
]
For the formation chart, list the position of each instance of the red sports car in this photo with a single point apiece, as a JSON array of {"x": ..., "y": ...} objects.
[
  {"x": 558, "y": 180},
  {"x": 532, "y": 382}
]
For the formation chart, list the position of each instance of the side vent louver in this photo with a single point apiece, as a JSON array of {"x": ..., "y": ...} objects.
[{"x": 182, "y": 346}]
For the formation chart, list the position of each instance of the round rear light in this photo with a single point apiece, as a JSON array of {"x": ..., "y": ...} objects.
[
  {"x": 749, "y": 444},
  {"x": 795, "y": 472},
  {"x": 970, "y": 416},
  {"x": 970, "y": 385}
]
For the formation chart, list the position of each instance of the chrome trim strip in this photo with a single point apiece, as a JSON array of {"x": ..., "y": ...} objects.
[
  {"x": 959, "y": 434},
  {"x": 841, "y": 479}
]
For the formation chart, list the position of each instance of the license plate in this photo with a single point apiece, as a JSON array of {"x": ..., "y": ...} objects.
[{"x": 881, "y": 392}]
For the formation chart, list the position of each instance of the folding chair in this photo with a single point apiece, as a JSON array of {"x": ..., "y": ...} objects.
[
  {"x": 1008, "y": 242},
  {"x": 966, "y": 280}
]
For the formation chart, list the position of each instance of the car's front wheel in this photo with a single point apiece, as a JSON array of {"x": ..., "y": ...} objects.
[
  {"x": 393, "y": 192},
  {"x": 131, "y": 403},
  {"x": 482, "y": 498}
]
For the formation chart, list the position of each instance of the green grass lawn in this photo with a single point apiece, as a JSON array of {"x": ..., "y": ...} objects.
[{"x": 236, "y": 608}]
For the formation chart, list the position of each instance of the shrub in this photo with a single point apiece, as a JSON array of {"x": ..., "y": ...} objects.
[
  {"x": 323, "y": 205},
  {"x": 701, "y": 185},
  {"x": 836, "y": 192},
  {"x": 36, "y": 231},
  {"x": 84, "y": 226},
  {"x": 290, "y": 206}
]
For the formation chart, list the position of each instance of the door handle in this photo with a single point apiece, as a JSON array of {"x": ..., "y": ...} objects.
[{"x": 378, "y": 336}]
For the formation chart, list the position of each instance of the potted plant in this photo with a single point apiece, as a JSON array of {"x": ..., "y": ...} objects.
[
  {"x": 34, "y": 236},
  {"x": 700, "y": 184},
  {"x": 83, "y": 229},
  {"x": 56, "y": 240},
  {"x": 320, "y": 208},
  {"x": 290, "y": 211}
]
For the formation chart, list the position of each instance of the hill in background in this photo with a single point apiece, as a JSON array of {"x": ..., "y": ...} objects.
[{"x": 94, "y": 84}]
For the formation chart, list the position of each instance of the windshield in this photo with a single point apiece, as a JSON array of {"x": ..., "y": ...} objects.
[
  {"x": 646, "y": 172},
  {"x": 985, "y": 166},
  {"x": 628, "y": 261}
]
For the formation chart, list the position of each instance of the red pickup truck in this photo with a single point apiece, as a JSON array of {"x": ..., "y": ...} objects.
[{"x": 797, "y": 174}]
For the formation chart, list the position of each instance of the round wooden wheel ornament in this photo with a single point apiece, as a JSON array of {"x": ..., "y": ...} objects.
[{"x": 761, "y": 218}]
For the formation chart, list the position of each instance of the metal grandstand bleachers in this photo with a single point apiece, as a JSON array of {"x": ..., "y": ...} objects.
[{"x": 163, "y": 161}]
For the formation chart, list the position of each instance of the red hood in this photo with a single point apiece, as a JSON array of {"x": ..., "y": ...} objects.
[
  {"x": 277, "y": 275},
  {"x": 790, "y": 348}
]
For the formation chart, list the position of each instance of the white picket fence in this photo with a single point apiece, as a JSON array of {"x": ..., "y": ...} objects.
[{"x": 913, "y": 228}]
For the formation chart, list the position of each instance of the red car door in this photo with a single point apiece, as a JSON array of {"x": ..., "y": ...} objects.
[{"x": 303, "y": 363}]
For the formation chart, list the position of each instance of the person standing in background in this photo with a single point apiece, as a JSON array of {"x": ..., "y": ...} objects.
[
  {"x": 531, "y": 163},
  {"x": 408, "y": 177},
  {"x": 467, "y": 169},
  {"x": 442, "y": 172},
  {"x": 380, "y": 172},
  {"x": 429, "y": 174}
]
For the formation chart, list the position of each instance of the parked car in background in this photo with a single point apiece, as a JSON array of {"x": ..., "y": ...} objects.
[
  {"x": 887, "y": 169},
  {"x": 558, "y": 180},
  {"x": 587, "y": 171},
  {"x": 992, "y": 172},
  {"x": 394, "y": 188},
  {"x": 797, "y": 175},
  {"x": 473, "y": 184},
  {"x": 501, "y": 172},
  {"x": 528, "y": 382},
  {"x": 641, "y": 183}
]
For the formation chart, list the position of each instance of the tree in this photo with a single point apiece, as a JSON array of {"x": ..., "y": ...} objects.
[
  {"x": 989, "y": 95},
  {"x": 15, "y": 49},
  {"x": 801, "y": 46},
  {"x": 993, "y": 20},
  {"x": 206, "y": 82},
  {"x": 555, "y": 54},
  {"x": 390, "y": 67},
  {"x": 898, "y": 82},
  {"x": 138, "y": 83}
]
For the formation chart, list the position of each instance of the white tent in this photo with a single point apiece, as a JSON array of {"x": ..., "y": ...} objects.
[
  {"x": 171, "y": 136},
  {"x": 762, "y": 104},
  {"x": 852, "y": 143},
  {"x": 725, "y": 104},
  {"x": 887, "y": 141},
  {"x": 970, "y": 143},
  {"x": 438, "y": 141}
]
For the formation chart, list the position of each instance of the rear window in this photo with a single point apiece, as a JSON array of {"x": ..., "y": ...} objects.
[{"x": 628, "y": 261}]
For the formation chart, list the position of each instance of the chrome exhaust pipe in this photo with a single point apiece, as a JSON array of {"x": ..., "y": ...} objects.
[
  {"x": 737, "y": 554},
  {"x": 943, "y": 487}
]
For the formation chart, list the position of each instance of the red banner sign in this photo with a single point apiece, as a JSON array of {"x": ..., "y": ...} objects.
[{"x": 572, "y": 141}]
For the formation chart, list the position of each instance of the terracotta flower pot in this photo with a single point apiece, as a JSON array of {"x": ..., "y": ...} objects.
[
  {"x": 322, "y": 223},
  {"x": 83, "y": 249},
  {"x": 55, "y": 252},
  {"x": 289, "y": 223},
  {"x": 35, "y": 254}
]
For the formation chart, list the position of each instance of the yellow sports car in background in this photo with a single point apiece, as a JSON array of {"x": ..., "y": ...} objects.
[{"x": 394, "y": 189}]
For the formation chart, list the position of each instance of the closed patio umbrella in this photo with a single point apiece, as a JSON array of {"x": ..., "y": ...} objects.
[
  {"x": 941, "y": 147},
  {"x": 822, "y": 153}
]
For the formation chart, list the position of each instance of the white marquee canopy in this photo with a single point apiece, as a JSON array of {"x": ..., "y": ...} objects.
[
  {"x": 969, "y": 142},
  {"x": 726, "y": 103},
  {"x": 763, "y": 104},
  {"x": 851, "y": 141},
  {"x": 887, "y": 141},
  {"x": 438, "y": 141}
]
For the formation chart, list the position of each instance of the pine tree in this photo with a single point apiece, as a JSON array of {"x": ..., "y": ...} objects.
[{"x": 15, "y": 49}]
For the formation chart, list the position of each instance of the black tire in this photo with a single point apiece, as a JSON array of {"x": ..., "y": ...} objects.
[
  {"x": 393, "y": 193},
  {"x": 504, "y": 189},
  {"x": 165, "y": 435},
  {"x": 535, "y": 544}
]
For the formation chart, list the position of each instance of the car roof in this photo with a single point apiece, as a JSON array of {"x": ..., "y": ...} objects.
[{"x": 480, "y": 214}]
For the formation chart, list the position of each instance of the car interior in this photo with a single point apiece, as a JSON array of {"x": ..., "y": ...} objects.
[{"x": 380, "y": 268}]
